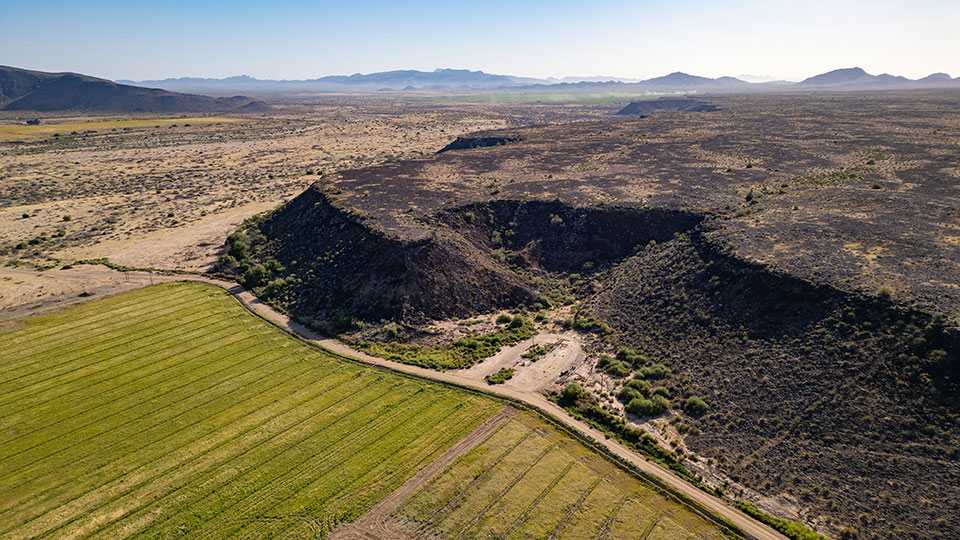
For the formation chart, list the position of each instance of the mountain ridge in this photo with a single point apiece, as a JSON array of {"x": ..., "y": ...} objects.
[
  {"x": 461, "y": 79},
  {"x": 27, "y": 90}
]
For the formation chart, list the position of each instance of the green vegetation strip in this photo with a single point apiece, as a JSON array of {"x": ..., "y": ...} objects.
[
  {"x": 463, "y": 353},
  {"x": 790, "y": 529},
  {"x": 172, "y": 411}
]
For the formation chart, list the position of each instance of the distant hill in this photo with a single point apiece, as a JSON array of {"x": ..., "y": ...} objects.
[
  {"x": 857, "y": 79},
  {"x": 25, "y": 90},
  {"x": 679, "y": 79}
]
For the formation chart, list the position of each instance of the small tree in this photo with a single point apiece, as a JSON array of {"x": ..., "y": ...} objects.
[{"x": 571, "y": 393}]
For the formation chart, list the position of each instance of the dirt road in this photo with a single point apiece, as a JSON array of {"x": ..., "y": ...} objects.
[{"x": 751, "y": 527}]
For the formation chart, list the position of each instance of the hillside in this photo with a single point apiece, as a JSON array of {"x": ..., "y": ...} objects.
[
  {"x": 23, "y": 90},
  {"x": 797, "y": 272}
]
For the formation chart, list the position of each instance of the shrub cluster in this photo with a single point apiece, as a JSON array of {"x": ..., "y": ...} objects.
[
  {"x": 614, "y": 367},
  {"x": 500, "y": 377}
]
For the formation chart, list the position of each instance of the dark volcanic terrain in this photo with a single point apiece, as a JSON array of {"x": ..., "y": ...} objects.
[{"x": 794, "y": 259}]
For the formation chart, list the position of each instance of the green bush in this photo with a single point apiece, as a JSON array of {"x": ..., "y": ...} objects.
[
  {"x": 591, "y": 325},
  {"x": 239, "y": 248},
  {"x": 695, "y": 406},
  {"x": 648, "y": 407},
  {"x": 504, "y": 319},
  {"x": 640, "y": 385},
  {"x": 656, "y": 371},
  {"x": 628, "y": 355},
  {"x": 571, "y": 393},
  {"x": 517, "y": 322},
  {"x": 255, "y": 276},
  {"x": 661, "y": 391},
  {"x": 628, "y": 394},
  {"x": 274, "y": 286},
  {"x": 500, "y": 377}
]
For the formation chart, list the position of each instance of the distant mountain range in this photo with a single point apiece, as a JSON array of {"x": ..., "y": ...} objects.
[
  {"x": 466, "y": 80},
  {"x": 25, "y": 90}
]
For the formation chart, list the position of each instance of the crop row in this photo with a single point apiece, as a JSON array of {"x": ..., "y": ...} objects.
[
  {"x": 529, "y": 481},
  {"x": 171, "y": 411}
]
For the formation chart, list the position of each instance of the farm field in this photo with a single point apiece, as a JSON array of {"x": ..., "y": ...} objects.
[
  {"x": 171, "y": 411},
  {"x": 527, "y": 480},
  {"x": 20, "y": 131}
]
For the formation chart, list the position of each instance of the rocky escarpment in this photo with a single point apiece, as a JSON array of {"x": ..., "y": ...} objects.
[
  {"x": 469, "y": 259},
  {"x": 648, "y": 107},
  {"x": 478, "y": 141}
]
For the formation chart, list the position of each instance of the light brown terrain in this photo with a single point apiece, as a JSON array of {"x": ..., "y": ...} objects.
[{"x": 164, "y": 192}]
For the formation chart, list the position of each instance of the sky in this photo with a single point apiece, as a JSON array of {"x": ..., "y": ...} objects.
[{"x": 141, "y": 40}]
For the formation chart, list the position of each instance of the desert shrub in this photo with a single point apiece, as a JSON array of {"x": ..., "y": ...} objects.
[
  {"x": 656, "y": 371},
  {"x": 273, "y": 266},
  {"x": 628, "y": 394},
  {"x": 517, "y": 322},
  {"x": 571, "y": 393},
  {"x": 555, "y": 220},
  {"x": 613, "y": 366},
  {"x": 500, "y": 377},
  {"x": 274, "y": 286},
  {"x": 575, "y": 278},
  {"x": 639, "y": 384},
  {"x": 630, "y": 356},
  {"x": 467, "y": 343},
  {"x": 344, "y": 322},
  {"x": 695, "y": 406},
  {"x": 661, "y": 391},
  {"x": 540, "y": 317},
  {"x": 67, "y": 217},
  {"x": 647, "y": 407},
  {"x": 255, "y": 276},
  {"x": 239, "y": 249},
  {"x": 226, "y": 261},
  {"x": 504, "y": 319},
  {"x": 590, "y": 325}
]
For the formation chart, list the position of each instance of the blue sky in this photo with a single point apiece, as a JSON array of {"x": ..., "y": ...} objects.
[{"x": 138, "y": 40}]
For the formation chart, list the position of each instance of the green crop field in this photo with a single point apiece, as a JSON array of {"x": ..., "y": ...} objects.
[
  {"x": 171, "y": 411},
  {"x": 527, "y": 480}
]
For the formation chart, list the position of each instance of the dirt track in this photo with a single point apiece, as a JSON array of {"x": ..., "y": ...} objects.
[{"x": 751, "y": 527}]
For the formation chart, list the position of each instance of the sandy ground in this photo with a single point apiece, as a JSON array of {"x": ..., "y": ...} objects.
[
  {"x": 25, "y": 292},
  {"x": 531, "y": 376}
]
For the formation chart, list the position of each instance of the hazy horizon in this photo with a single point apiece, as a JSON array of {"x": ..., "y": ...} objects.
[{"x": 636, "y": 40}]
